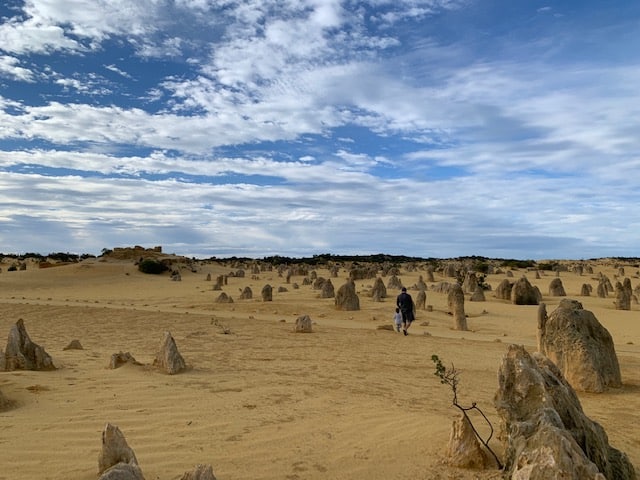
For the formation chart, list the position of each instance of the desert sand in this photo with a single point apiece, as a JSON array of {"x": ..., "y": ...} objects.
[{"x": 258, "y": 401}]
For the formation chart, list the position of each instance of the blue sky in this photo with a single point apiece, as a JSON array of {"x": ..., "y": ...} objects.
[{"x": 435, "y": 128}]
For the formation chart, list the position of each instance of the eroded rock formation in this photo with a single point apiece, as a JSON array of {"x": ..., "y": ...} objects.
[
  {"x": 523, "y": 293},
  {"x": 556, "y": 289},
  {"x": 23, "y": 354},
  {"x": 455, "y": 300},
  {"x": 168, "y": 359},
  {"x": 464, "y": 449},
  {"x": 304, "y": 324},
  {"x": 379, "y": 291},
  {"x": 503, "y": 291},
  {"x": 117, "y": 461},
  {"x": 580, "y": 346},
  {"x": 246, "y": 294},
  {"x": 421, "y": 299},
  {"x": 327, "y": 289},
  {"x": 267, "y": 293},
  {"x": 347, "y": 298},
  {"x": 545, "y": 433},
  {"x": 200, "y": 472},
  {"x": 120, "y": 358}
]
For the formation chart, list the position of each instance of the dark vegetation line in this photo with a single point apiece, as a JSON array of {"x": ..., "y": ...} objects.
[{"x": 481, "y": 263}]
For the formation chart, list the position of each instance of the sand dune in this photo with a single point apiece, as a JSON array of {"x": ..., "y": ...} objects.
[{"x": 258, "y": 401}]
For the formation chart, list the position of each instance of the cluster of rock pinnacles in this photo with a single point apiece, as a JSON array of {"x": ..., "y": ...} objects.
[
  {"x": 544, "y": 431},
  {"x": 117, "y": 461}
]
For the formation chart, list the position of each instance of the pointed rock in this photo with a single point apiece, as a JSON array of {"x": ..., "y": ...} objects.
[
  {"x": 74, "y": 345},
  {"x": 120, "y": 358},
  {"x": 117, "y": 456},
  {"x": 556, "y": 289},
  {"x": 168, "y": 357},
  {"x": 200, "y": 472},
  {"x": 23, "y": 354},
  {"x": 464, "y": 449}
]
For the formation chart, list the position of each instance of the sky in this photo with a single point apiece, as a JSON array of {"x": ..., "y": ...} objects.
[{"x": 431, "y": 128}]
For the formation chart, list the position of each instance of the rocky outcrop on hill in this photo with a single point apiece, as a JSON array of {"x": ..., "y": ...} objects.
[
  {"x": 580, "y": 346},
  {"x": 545, "y": 433}
]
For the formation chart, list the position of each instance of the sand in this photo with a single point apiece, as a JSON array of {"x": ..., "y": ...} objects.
[{"x": 348, "y": 401}]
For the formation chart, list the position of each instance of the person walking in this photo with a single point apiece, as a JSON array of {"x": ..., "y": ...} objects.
[
  {"x": 397, "y": 319},
  {"x": 405, "y": 303}
]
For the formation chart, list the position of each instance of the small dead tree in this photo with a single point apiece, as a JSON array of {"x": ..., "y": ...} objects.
[{"x": 449, "y": 376}]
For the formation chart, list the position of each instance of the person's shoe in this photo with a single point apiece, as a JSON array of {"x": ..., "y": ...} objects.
[
  {"x": 405, "y": 333},
  {"x": 398, "y": 328}
]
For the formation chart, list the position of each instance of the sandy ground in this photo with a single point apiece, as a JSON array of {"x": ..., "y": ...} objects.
[{"x": 348, "y": 401}]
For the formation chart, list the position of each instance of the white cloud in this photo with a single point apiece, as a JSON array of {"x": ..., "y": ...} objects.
[
  {"x": 10, "y": 67},
  {"x": 292, "y": 220},
  {"x": 75, "y": 25},
  {"x": 117, "y": 70}
]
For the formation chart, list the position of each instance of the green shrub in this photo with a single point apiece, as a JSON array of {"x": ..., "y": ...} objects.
[
  {"x": 548, "y": 266},
  {"x": 518, "y": 263},
  {"x": 481, "y": 267},
  {"x": 152, "y": 266}
]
